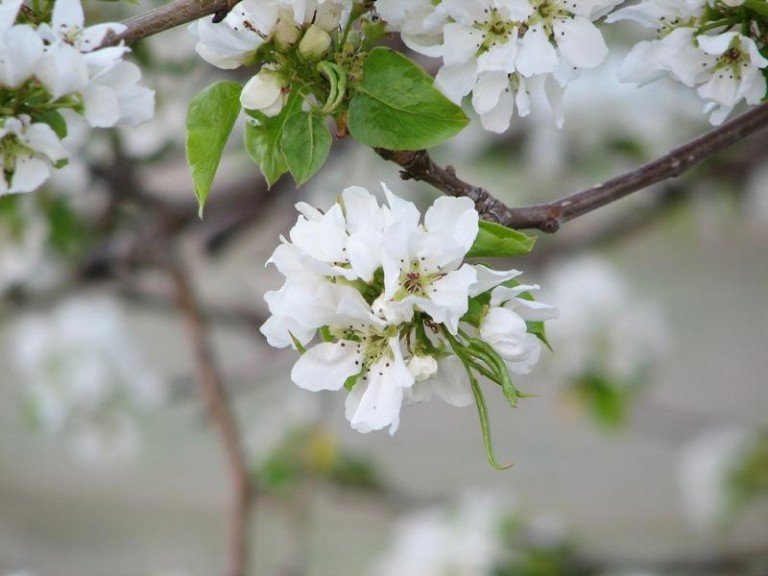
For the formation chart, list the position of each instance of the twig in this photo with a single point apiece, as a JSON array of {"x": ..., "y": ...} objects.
[
  {"x": 550, "y": 216},
  {"x": 166, "y": 17},
  {"x": 221, "y": 413}
]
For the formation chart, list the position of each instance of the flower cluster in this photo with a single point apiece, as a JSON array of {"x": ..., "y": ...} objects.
[
  {"x": 51, "y": 67},
  {"x": 713, "y": 45},
  {"x": 501, "y": 51},
  {"x": 83, "y": 378},
  {"x": 285, "y": 36},
  {"x": 400, "y": 314}
]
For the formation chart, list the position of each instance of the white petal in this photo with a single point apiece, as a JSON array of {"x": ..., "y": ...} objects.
[
  {"x": 580, "y": 42},
  {"x": 489, "y": 88},
  {"x": 497, "y": 120},
  {"x": 488, "y": 278},
  {"x": 102, "y": 106},
  {"x": 361, "y": 210},
  {"x": 67, "y": 13},
  {"x": 456, "y": 217},
  {"x": 380, "y": 404},
  {"x": 20, "y": 52},
  {"x": 500, "y": 57},
  {"x": 451, "y": 382},
  {"x": 461, "y": 44},
  {"x": 715, "y": 45},
  {"x": 43, "y": 139},
  {"x": 536, "y": 54},
  {"x": 63, "y": 70},
  {"x": 8, "y": 11},
  {"x": 517, "y": 10},
  {"x": 29, "y": 174},
  {"x": 457, "y": 81},
  {"x": 326, "y": 366}
]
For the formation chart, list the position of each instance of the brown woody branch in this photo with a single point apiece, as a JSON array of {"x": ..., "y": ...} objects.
[
  {"x": 215, "y": 395},
  {"x": 166, "y": 17},
  {"x": 550, "y": 216}
]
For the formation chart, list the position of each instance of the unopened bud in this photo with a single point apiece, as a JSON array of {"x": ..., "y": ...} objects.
[
  {"x": 328, "y": 16},
  {"x": 422, "y": 367},
  {"x": 315, "y": 43},
  {"x": 285, "y": 33},
  {"x": 264, "y": 92}
]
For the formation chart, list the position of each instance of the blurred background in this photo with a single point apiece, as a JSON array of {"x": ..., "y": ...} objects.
[{"x": 644, "y": 450}]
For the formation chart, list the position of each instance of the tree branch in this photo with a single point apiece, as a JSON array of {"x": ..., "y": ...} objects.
[
  {"x": 550, "y": 216},
  {"x": 221, "y": 413},
  {"x": 166, "y": 17}
]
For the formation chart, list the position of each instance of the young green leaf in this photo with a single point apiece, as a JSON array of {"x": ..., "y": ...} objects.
[
  {"x": 396, "y": 106},
  {"x": 263, "y": 136},
  {"x": 759, "y": 6},
  {"x": 305, "y": 143},
  {"x": 497, "y": 241},
  {"x": 55, "y": 120},
  {"x": 210, "y": 118}
]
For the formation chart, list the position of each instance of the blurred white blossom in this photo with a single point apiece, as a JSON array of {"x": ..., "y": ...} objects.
[
  {"x": 604, "y": 327},
  {"x": 83, "y": 378},
  {"x": 440, "y": 543},
  {"x": 721, "y": 470}
]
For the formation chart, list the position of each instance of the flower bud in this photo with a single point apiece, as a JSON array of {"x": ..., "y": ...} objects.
[
  {"x": 506, "y": 332},
  {"x": 285, "y": 34},
  {"x": 264, "y": 92},
  {"x": 328, "y": 16},
  {"x": 422, "y": 367},
  {"x": 315, "y": 43}
]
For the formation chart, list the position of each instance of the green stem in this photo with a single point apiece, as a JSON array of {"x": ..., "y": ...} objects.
[{"x": 482, "y": 412}]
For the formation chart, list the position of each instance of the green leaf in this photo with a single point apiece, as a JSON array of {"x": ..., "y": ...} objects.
[
  {"x": 210, "y": 118},
  {"x": 497, "y": 241},
  {"x": 55, "y": 120},
  {"x": 305, "y": 143},
  {"x": 759, "y": 6},
  {"x": 477, "y": 309},
  {"x": 396, "y": 106},
  {"x": 263, "y": 137}
]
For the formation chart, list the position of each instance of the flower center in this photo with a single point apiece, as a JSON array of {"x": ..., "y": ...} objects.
[{"x": 495, "y": 29}]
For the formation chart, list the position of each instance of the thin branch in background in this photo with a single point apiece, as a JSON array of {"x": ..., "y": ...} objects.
[
  {"x": 548, "y": 217},
  {"x": 216, "y": 400}
]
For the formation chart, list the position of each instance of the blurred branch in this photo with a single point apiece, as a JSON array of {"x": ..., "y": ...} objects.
[
  {"x": 166, "y": 17},
  {"x": 220, "y": 411},
  {"x": 550, "y": 216}
]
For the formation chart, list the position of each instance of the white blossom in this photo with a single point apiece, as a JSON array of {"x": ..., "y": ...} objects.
[
  {"x": 604, "y": 327},
  {"x": 438, "y": 543},
  {"x": 387, "y": 293},
  {"x": 725, "y": 66},
  {"x": 115, "y": 98},
  {"x": 423, "y": 267},
  {"x": 502, "y": 50},
  {"x": 705, "y": 466},
  {"x": 82, "y": 376},
  {"x": 28, "y": 151}
]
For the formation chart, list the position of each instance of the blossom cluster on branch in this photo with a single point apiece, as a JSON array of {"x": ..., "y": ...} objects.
[
  {"x": 399, "y": 312},
  {"x": 50, "y": 70}
]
